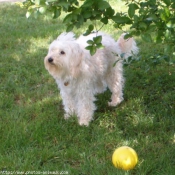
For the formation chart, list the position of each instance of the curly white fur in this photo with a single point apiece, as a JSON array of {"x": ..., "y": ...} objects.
[{"x": 80, "y": 76}]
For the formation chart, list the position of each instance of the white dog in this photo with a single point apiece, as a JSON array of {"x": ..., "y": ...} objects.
[{"x": 80, "y": 76}]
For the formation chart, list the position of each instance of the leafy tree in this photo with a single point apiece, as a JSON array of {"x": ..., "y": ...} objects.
[{"x": 153, "y": 20}]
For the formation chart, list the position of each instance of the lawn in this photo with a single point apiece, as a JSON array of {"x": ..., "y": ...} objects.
[{"x": 33, "y": 133}]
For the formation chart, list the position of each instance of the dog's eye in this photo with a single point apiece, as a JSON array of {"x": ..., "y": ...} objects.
[{"x": 62, "y": 52}]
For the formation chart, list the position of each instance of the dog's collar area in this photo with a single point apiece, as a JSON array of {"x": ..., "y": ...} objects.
[{"x": 66, "y": 83}]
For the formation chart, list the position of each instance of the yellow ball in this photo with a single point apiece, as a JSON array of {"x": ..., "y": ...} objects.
[{"x": 124, "y": 158}]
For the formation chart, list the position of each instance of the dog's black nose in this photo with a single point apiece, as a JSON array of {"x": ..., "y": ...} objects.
[{"x": 50, "y": 59}]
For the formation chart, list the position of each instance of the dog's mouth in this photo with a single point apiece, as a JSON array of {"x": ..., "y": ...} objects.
[{"x": 52, "y": 63}]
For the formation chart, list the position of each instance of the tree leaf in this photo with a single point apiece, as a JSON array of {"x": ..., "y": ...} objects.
[
  {"x": 164, "y": 14},
  {"x": 87, "y": 33},
  {"x": 57, "y": 13},
  {"x": 89, "y": 47},
  {"x": 51, "y": 0},
  {"x": 87, "y": 14},
  {"x": 69, "y": 28},
  {"x": 109, "y": 12},
  {"x": 37, "y": 2},
  {"x": 68, "y": 18},
  {"x": 99, "y": 46},
  {"x": 171, "y": 24},
  {"x": 104, "y": 20},
  {"x": 152, "y": 28},
  {"x": 168, "y": 34},
  {"x": 131, "y": 10},
  {"x": 65, "y": 5},
  {"x": 28, "y": 14},
  {"x": 167, "y": 11},
  {"x": 103, "y": 4},
  {"x": 146, "y": 37},
  {"x": 88, "y": 3},
  {"x": 89, "y": 30},
  {"x": 90, "y": 42},
  {"x": 42, "y": 10},
  {"x": 127, "y": 35},
  {"x": 144, "y": 4},
  {"x": 167, "y": 2},
  {"x": 97, "y": 39},
  {"x": 159, "y": 37},
  {"x": 121, "y": 19},
  {"x": 151, "y": 17},
  {"x": 173, "y": 5},
  {"x": 91, "y": 27},
  {"x": 93, "y": 50},
  {"x": 142, "y": 26}
]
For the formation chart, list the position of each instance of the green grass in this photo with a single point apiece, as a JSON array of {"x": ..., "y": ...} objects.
[{"x": 35, "y": 137}]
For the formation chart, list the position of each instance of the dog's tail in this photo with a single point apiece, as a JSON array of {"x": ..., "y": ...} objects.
[
  {"x": 70, "y": 36},
  {"x": 128, "y": 46}
]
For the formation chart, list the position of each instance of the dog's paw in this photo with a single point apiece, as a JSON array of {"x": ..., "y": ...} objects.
[
  {"x": 66, "y": 116},
  {"x": 115, "y": 102},
  {"x": 83, "y": 122},
  {"x": 112, "y": 104}
]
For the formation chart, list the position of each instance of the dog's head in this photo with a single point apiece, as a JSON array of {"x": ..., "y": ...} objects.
[{"x": 64, "y": 57}]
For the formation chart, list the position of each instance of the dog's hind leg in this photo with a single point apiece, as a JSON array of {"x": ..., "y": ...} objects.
[{"x": 115, "y": 82}]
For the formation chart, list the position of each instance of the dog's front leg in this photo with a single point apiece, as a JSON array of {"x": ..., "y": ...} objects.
[
  {"x": 85, "y": 108},
  {"x": 69, "y": 105}
]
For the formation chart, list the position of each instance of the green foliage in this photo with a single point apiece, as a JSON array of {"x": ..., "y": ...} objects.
[
  {"x": 153, "y": 20},
  {"x": 153, "y": 16},
  {"x": 94, "y": 44}
]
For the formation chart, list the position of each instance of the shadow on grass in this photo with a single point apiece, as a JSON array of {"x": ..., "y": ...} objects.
[{"x": 24, "y": 44}]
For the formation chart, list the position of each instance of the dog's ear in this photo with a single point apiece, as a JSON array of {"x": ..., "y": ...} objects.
[
  {"x": 127, "y": 46},
  {"x": 76, "y": 60},
  {"x": 66, "y": 37}
]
